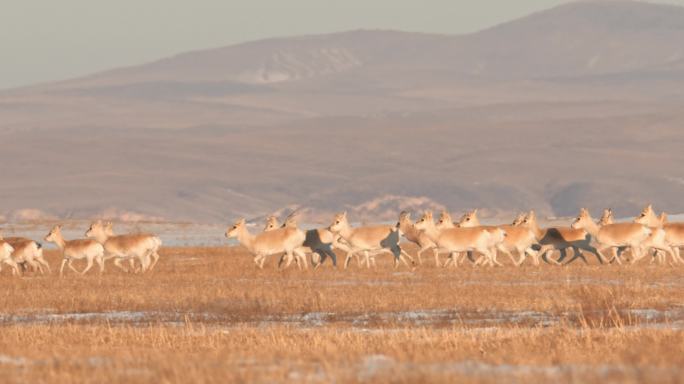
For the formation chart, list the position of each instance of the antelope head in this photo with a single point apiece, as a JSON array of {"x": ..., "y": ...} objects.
[
  {"x": 271, "y": 223},
  {"x": 583, "y": 219},
  {"x": 647, "y": 217},
  {"x": 424, "y": 221},
  {"x": 444, "y": 220},
  {"x": 339, "y": 222},
  {"x": 518, "y": 219},
  {"x": 236, "y": 228},
  {"x": 96, "y": 229},
  {"x": 55, "y": 234},
  {"x": 606, "y": 217},
  {"x": 530, "y": 219},
  {"x": 468, "y": 219}
]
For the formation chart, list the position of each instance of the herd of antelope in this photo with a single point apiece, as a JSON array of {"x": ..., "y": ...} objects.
[
  {"x": 99, "y": 245},
  {"x": 467, "y": 239}
]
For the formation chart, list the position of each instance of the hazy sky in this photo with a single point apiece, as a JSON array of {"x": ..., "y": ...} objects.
[{"x": 51, "y": 40}]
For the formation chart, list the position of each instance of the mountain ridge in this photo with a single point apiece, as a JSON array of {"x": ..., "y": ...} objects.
[{"x": 491, "y": 119}]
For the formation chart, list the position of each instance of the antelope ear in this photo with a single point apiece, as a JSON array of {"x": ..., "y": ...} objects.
[
  {"x": 241, "y": 221},
  {"x": 649, "y": 207},
  {"x": 428, "y": 214},
  {"x": 344, "y": 214},
  {"x": 475, "y": 211}
]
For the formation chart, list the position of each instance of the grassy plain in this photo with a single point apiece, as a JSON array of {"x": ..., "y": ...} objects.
[{"x": 208, "y": 315}]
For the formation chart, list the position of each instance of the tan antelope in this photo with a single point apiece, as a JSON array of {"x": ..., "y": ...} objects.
[
  {"x": 607, "y": 218},
  {"x": 369, "y": 240},
  {"x": 141, "y": 247},
  {"x": 80, "y": 249},
  {"x": 673, "y": 232},
  {"x": 615, "y": 235},
  {"x": 518, "y": 239},
  {"x": 282, "y": 240},
  {"x": 6, "y": 251},
  {"x": 469, "y": 220},
  {"x": 560, "y": 239},
  {"x": 153, "y": 241},
  {"x": 457, "y": 240},
  {"x": 272, "y": 223},
  {"x": 321, "y": 242},
  {"x": 27, "y": 251},
  {"x": 497, "y": 236},
  {"x": 417, "y": 237}
]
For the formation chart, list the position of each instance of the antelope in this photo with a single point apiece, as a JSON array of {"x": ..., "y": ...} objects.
[
  {"x": 370, "y": 239},
  {"x": 27, "y": 251},
  {"x": 320, "y": 242},
  {"x": 559, "y": 238},
  {"x": 674, "y": 232},
  {"x": 87, "y": 249},
  {"x": 413, "y": 235},
  {"x": 607, "y": 218},
  {"x": 497, "y": 235},
  {"x": 125, "y": 247},
  {"x": 6, "y": 251},
  {"x": 615, "y": 235},
  {"x": 456, "y": 240},
  {"x": 518, "y": 238},
  {"x": 287, "y": 240}
]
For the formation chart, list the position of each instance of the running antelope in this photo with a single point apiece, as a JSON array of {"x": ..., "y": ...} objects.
[
  {"x": 518, "y": 238},
  {"x": 320, "y": 242},
  {"x": 369, "y": 239},
  {"x": 87, "y": 249},
  {"x": 282, "y": 240},
  {"x": 445, "y": 221},
  {"x": 417, "y": 237},
  {"x": 125, "y": 247},
  {"x": 607, "y": 218},
  {"x": 457, "y": 240},
  {"x": 674, "y": 232},
  {"x": 6, "y": 251},
  {"x": 469, "y": 220},
  {"x": 560, "y": 239},
  {"x": 27, "y": 251},
  {"x": 497, "y": 236},
  {"x": 153, "y": 241},
  {"x": 615, "y": 235}
]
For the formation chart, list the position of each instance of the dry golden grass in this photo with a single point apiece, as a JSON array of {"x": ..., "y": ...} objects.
[{"x": 208, "y": 315}]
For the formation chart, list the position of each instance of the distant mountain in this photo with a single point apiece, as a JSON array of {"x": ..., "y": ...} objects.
[
  {"x": 579, "y": 105},
  {"x": 579, "y": 38}
]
